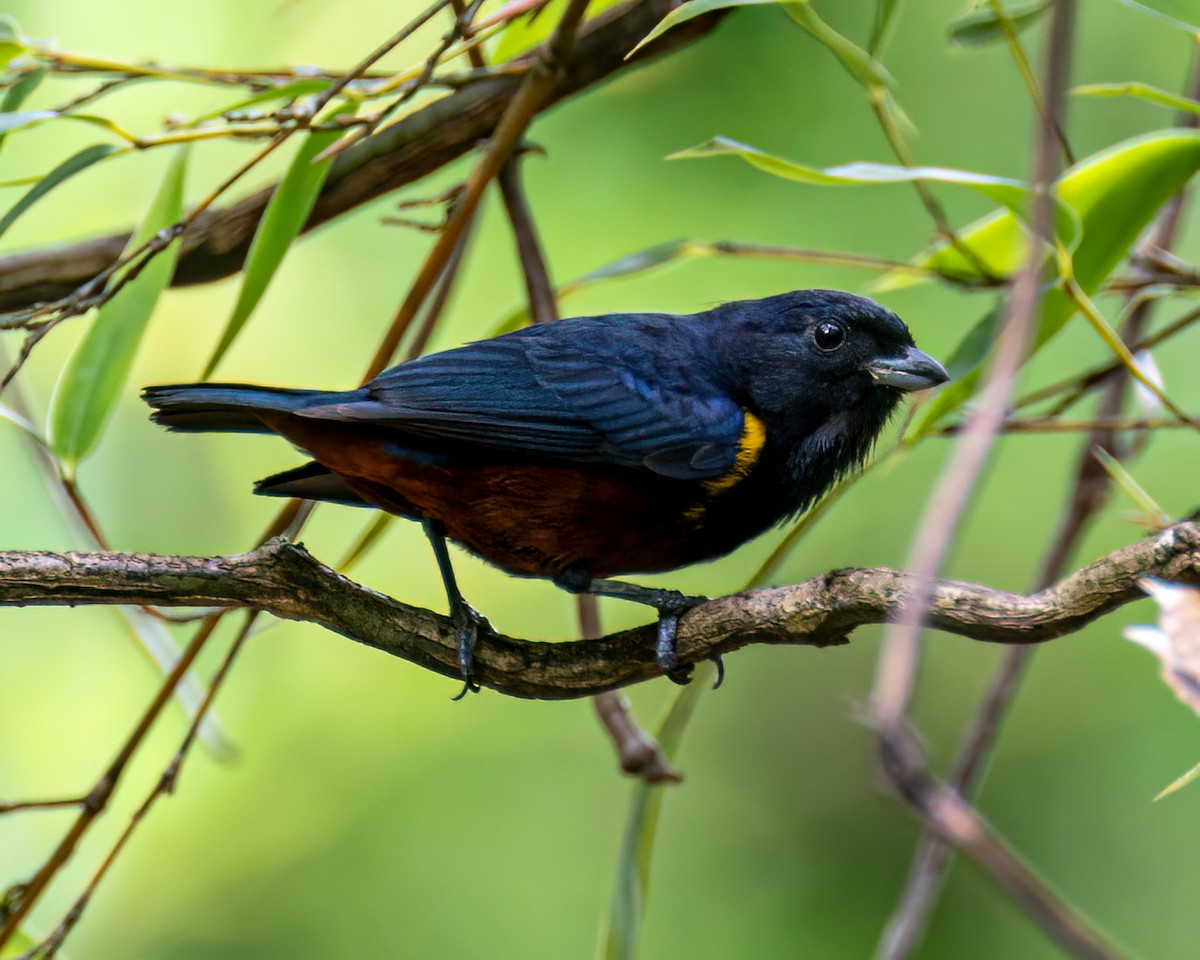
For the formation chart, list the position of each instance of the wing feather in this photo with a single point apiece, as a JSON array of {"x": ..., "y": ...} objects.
[{"x": 618, "y": 390}]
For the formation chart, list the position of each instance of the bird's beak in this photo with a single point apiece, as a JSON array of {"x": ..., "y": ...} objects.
[{"x": 911, "y": 370}]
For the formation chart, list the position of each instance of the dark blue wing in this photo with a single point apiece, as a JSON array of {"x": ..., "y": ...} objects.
[{"x": 628, "y": 390}]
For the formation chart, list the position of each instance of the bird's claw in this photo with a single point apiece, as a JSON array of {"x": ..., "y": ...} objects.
[
  {"x": 664, "y": 650},
  {"x": 469, "y": 622},
  {"x": 668, "y": 627}
]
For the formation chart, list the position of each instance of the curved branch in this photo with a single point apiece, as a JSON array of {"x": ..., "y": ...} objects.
[
  {"x": 285, "y": 580},
  {"x": 215, "y": 245}
]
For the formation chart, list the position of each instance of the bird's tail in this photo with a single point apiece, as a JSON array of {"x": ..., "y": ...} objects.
[{"x": 225, "y": 407}]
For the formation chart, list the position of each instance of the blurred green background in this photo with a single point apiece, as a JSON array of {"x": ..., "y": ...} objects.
[{"x": 366, "y": 814}]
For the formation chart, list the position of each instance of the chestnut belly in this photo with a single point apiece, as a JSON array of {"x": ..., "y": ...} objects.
[{"x": 531, "y": 518}]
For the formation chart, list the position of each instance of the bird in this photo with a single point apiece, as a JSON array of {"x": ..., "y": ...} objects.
[{"x": 595, "y": 447}]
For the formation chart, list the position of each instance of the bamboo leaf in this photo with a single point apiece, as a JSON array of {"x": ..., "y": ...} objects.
[
  {"x": 19, "y": 92},
  {"x": 17, "y": 119},
  {"x": 285, "y": 214},
  {"x": 660, "y": 255},
  {"x": 858, "y": 62},
  {"x": 524, "y": 33},
  {"x": 95, "y": 374},
  {"x": 13, "y": 42},
  {"x": 21, "y": 945},
  {"x": 1179, "y": 783},
  {"x": 689, "y": 11},
  {"x": 1012, "y": 194},
  {"x": 1115, "y": 193},
  {"x": 1142, "y": 91},
  {"x": 1184, "y": 14},
  {"x": 22, "y": 423},
  {"x": 621, "y": 931},
  {"x": 883, "y": 25},
  {"x": 63, "y": 172},
  {"x": 982, "y": 25},
  {"x": 1155, "y": 515},
  {"x": 288, "y": 91}
]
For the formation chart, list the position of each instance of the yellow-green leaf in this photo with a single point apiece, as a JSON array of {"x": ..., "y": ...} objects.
[
  {"x": 621, "y": 930},
  {"x": 524, "y": 33},
  {"x": 96, "y": 372},
  {"x": 983, "y": 25},
  {"x": 882, "y": 25},
  {"x": 64, "y": 171},
  {"x": 858, "y": 63},
  {"x": 20, "y": 945},
  {"x": 13, "y": 42},
  {"x": 287, "y": 91},
  {"x": 1012, "y": 194},
  {"x": 659, "y": 255},
  {"x": 1142, "y": 91},
  {"x": 16, "y": 95},
  {"x": 1179, "y": 783},
  {"x": 1115, "y": 193},
  {"x": 689, "y": 11},
  {"x": 286, "y": 212},
  {"x": 1184, "y": 14},
  {"x": 1154, "y": 514}
]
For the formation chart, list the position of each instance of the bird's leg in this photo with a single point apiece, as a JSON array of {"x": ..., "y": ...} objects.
[
  {"x": 670, "y": 604},
  {"x": 466, "y": 618}
]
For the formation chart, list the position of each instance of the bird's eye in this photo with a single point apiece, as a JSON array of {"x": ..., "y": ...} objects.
[{"x": 829, "y": 335}]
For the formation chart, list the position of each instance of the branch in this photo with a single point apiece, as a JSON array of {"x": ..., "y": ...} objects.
[
  {"x": 215, "y": 245},
  {"x": 285, "y": 580}
]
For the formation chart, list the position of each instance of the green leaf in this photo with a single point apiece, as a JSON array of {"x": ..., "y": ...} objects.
[
  {"x": 64, "y": 171},
  {"x": 621, "y": 932},
  {"x": 858, "y": 63},
  {"x": 1115, "y": 193},
  {"x": 982, "y": 25},
  {"x": 286, "y": 212},
  {"x": 524, "y": 33},
  {"x": 191, "y": 692},
  {"x": 19, "y": 92},
  {"x": 1155, "y": 515},
  {"x": 1012, "y": 194},
  {"x": 1179, "y": 782},
  {"x": 24, "y": 118},
  {"x": 1184, "y": 14},
  {"x": 13, "y": 42},
  {"x": 95, "y": 374},
  {"x": 882, "y": 25},
  {"x": 20, "y": 945},
  {"x": 288, "y": 91},
  {"x": 651, "y": 258},
  {"x": 684, "y": 13},
  {"x": 23, "y": 423},
  {"x": 1143, "y": 91}
]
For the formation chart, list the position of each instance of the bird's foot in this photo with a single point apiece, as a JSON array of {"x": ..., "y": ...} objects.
[
  {"x": 671, "y": 605},
  {"x": 469, "y": 622}
]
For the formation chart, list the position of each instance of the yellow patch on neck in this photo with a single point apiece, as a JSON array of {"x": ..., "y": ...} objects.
[{"x": 750, "y": 444}]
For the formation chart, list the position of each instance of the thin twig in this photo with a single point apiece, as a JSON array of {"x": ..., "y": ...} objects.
[
  {"x": 1088, "y": 494},
  {"x": 945, "y": 812},
  {"x": 97, "y": 799},
  {"x": 166, "y": 783},
  {"x": 1071, "y": 390},
  {"x": 216, "y": 245},
  {"x": 534, "y": 91},
  {"x": 1008, "y": 28},
  {"x": 898, "y": 659},
  {"x": 1108, "y": 424},
  {"x": 15, "y": 806},
  {"x": 543, "y": 304}
]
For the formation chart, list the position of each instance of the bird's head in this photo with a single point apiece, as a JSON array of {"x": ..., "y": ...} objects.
[{"x": 811, "y": 353}]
